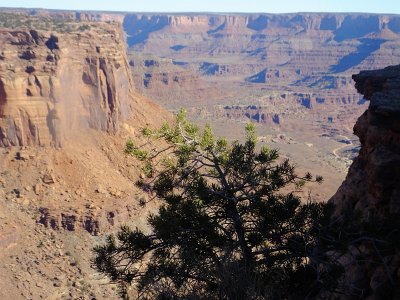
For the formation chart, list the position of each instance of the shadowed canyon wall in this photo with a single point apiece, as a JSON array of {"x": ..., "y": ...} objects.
[
  {"x": 272, "y": 40},
  {"x": 372, "y": 185},
  {"x": 372, "y": 270}
]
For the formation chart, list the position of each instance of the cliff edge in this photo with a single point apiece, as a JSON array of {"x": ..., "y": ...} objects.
[
  {"x": 56, "y": 85},
  {"x": 372, "y": 184},
  {"x": 372, "y": 189}
]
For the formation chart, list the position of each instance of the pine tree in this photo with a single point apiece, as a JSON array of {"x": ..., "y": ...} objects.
[{"x": 231, "y": 224}]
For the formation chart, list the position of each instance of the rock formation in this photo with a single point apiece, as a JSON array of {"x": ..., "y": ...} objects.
[
  {"x": 52, "y": 85},
  {"x": 281, "y": 42},
  {"x": 74, "y": 91},
  {"x": 248, "y": 59},
  {"x": 372, "y": 186},
  {"x": 67, "y": 106}
]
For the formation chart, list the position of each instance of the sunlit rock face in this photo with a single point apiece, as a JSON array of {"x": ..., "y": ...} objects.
[{"x": 53, "y": 85}]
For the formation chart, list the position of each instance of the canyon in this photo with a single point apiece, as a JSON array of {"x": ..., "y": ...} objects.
[
  {"x": 72, "y": 92},
  {"x": 290, "y": 73}
]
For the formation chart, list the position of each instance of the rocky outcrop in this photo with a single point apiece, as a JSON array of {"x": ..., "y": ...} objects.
[
  {"x": 67, "y": 84},
  {"x": 92, "y": 221},
  {"x": 53, "y": 85},
  {"x": 372, "y": 185}
]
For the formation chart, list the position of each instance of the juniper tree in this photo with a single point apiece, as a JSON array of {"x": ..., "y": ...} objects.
[{"x": 231, "y": 224}]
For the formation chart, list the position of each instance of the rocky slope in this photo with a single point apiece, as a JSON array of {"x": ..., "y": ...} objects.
[
  {"x": 372, "y": 184},
  {"x": 67, "y": 106}
]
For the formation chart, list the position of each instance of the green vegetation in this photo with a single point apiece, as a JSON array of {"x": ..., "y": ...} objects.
[
  {"x": 23, "y": 22},
  {"x": 229, "y": 227},
  {"x": 83, "y": 27}
]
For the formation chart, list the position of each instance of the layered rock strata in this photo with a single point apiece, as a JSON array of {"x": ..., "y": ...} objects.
[
  {"x": 269, "y": 44},
  {"x": 248, "y": 59},
  {"x": 70, "y": 86},
  {"x": 53, "y": 85}
]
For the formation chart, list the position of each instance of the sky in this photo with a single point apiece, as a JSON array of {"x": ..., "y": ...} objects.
[{"x": 266, "y": 6}]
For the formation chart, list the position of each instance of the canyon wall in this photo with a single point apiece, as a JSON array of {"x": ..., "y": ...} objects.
[
  {"x": 372, "y": 185},
  {"x": 297, "y": 66},
  {"x": 67, "y": 107},
  {"x": 53, "y": 85},
  {"x": 372, "y": 189},
  {"x": 271, "y": 40}
]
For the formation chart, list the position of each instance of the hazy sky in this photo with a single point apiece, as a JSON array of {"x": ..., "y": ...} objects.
[{"x": 271, "y": 6}]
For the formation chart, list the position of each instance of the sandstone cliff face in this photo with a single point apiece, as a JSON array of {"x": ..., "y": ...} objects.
[
  {"x": 53, "y": 85},
  {"x": 71, "y": 87},
  {"x": 372, "y": 184}
]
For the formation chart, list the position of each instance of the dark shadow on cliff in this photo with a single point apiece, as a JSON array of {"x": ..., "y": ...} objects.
[
  {"x": 260, "y": 23},
  {"x": 356, "y": 27},
  {"x": 138, "y": 28},
  {"x": 365, "y": 49},
  {"x": 207, "y": 68},
  {"x": 177, "y": 48},
  {"x": 219, "y": 28},
  {"x": 260, "y": 77},
  {"x": 3, "y": 97},
  {"x": 394, "y": 24}
]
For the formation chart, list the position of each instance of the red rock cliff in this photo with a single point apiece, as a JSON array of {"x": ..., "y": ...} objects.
[{"x": 52, "y": 85}]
